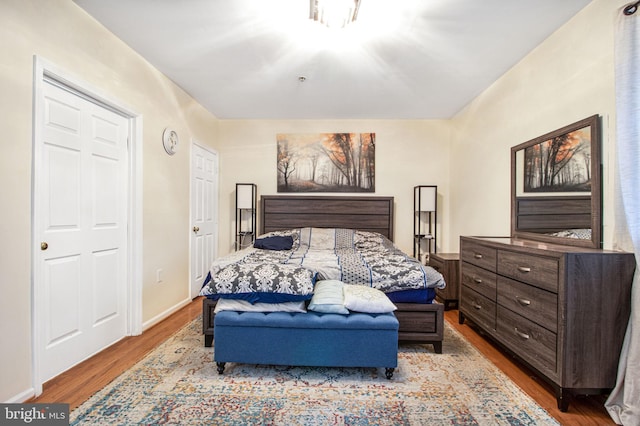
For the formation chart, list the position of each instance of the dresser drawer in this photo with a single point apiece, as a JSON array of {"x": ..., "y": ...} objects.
[
  {"x": 480, "y": 280},
  {"x": 480, "y": 309},
  {"x": 540, "y": 306},
  {"x": 539, "y": 271},
  {"x": 533, "y": 343},
  {"x": 477, "y": 254}
]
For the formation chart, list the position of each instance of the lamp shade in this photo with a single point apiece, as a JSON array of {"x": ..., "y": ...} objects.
[
  {"x": 245, "y": 195},
  {"x": 428, "y": 195}
]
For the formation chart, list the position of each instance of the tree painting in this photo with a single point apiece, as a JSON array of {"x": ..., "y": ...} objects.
[
  {"x": 560, "y": 164},
  {"x": 326, "y": 162}
]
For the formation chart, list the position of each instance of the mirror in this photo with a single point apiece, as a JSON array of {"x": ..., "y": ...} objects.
[{"x": 556, "y": 186}]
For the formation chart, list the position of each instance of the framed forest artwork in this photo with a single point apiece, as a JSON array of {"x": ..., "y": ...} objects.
[
  {"x": 326, "y": 162},
  {"x": 560, "y": 162}
]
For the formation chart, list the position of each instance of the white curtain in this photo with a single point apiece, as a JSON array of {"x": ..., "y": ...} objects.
[{"x": 624, "y": 402}]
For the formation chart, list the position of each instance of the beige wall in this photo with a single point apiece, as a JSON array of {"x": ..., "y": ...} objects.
[
  {"x": 568, "y": 77},
  {"x": 408, "y": 153},
  {"x": 63, "y": 34}
]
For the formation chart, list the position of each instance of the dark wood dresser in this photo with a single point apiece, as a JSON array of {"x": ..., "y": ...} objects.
[{"x": 562, "y": 310}]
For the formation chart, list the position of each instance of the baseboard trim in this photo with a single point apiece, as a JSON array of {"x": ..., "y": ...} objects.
[
  {"x": 22, "y": 397},
  {"x": 163, "y": 315}
]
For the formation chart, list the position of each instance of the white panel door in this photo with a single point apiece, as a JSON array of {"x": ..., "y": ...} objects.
[
  {"x": 204, "y": 213},
  {"x": 82, "y": 211}
]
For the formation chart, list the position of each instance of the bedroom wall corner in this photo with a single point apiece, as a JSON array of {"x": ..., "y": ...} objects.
[
  {"x": 568, "y": 77},
  {"x": 50, "y": 31}
]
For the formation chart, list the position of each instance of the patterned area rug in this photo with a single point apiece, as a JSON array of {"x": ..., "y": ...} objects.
[{"x": 178, "y": 384}]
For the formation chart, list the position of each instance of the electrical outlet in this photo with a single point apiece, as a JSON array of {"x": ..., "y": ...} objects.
[{"x": 159, "y": 274}]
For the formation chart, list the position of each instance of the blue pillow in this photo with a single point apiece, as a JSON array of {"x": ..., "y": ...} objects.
[
  {"x": 262, "y": 297},
  {"x": 275, "y": 242},
  {"x": 328, "y": 297}
]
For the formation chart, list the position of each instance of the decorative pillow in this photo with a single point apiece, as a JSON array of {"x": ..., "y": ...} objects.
[
  {"x": 245, "y": 306},
  {"x": 275, "y": 242},
  {"x": 361, "y": 298},
  {"x": 328, "y": 297},
  {"x": 277, "y": 278}
]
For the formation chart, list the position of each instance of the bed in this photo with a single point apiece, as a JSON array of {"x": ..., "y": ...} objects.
[{"x": 355, "y": 221}]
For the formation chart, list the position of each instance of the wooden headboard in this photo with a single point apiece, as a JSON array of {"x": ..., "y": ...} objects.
[{"x": 278, "y": 212}]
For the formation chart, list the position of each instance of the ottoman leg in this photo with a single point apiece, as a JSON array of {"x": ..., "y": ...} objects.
[
  {"x": 388, "y": 372},
  {"x": 220, "y": 367}
]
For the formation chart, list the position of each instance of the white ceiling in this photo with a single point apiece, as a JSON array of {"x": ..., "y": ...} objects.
[{"x": 402, "y": 59}]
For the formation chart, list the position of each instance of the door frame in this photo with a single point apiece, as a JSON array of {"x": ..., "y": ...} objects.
[
  {"x": 45, "y": 70},
  {"x": 216, "y": 215}
]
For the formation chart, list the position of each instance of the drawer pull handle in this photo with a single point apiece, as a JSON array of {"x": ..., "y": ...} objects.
[
  {"x": 524, "y": 269},
  {"x": 477, "y": 280},
  {"x": 521, "y": 334},
  {"x": 523, "y": 302},
  {"x": 478, "y": 307},
  {"x": 477, "y": 256}
]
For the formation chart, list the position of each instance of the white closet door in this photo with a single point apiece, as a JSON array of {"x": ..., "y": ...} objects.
[
  {"x": 204, "y": 208},
  {"x": 82, "y": 210}
]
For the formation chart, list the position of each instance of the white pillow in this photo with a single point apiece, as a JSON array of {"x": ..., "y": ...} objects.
[
  {"x": 328, "y": 297},
  {"x": 245, "y": 306},
  {"x": 361, "y": 298}
]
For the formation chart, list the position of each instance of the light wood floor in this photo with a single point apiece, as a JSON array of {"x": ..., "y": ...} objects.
[
  {"x": 79, "y": 383},
  {"x": 583, "y": 410}
]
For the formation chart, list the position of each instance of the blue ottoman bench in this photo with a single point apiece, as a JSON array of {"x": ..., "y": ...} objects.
[{"x": 306, "y": 339}]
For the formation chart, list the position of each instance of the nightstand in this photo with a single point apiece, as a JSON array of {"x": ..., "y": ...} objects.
[{"x": 448, "y": 264}]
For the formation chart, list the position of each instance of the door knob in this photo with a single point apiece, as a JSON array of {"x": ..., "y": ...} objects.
[
  {"x": 44, "y": 245},
  {"x": 196, "y": 229}
]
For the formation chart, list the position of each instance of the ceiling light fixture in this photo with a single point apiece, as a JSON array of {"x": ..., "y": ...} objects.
[{"x": 334, "y": 13}]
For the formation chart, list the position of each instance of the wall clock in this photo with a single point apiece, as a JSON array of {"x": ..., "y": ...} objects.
[{"x": 170, "y": 140}]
